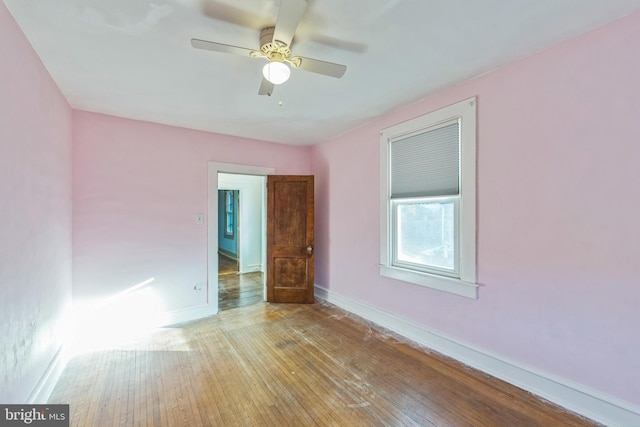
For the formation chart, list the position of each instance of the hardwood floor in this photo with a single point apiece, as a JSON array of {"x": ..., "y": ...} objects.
[
  {"x": 240, "y": 290},
  {"x": 226, "y": 265},
  {"x": 237, "y": 290},
  {"x": 288, "y": 365}
]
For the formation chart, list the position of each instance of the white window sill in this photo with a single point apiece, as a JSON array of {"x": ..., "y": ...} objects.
[{"x": 441, "y": 283}]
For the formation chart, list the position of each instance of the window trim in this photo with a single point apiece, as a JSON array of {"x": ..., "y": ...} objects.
[{"x": 465, "y": 285}]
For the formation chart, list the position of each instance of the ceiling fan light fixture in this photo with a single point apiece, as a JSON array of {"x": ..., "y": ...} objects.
[{"x": 276, "y": 72}]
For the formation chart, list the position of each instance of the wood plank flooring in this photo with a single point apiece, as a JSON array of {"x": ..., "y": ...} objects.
[
  {"x": 288, "y": 365},
  {"x": 226, "y": 265},
  {"x": 235, "y": 289},
  {"x": 240, "y": 290}
]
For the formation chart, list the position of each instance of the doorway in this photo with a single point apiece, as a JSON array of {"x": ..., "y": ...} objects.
[
  {"x": 239, "y": 287},
  {"x": 245, "y": 285}
]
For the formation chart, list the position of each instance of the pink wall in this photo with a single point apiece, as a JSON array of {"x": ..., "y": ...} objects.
[
  {"x": 137, "y": 188},
  {"x": 35, "y": 214},
  {"x": 557, "y": 234},
  {"x": 558, "y": 209}
]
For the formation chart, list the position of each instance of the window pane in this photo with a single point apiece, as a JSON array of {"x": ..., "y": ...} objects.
[
  {"x": 229, "y": 195},
  {"x": 229, "y": 229},
  {"x": 426, "y": 234}
]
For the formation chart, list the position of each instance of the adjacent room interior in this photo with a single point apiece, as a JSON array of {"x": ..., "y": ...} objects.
[{"x": 133, "y": 221}]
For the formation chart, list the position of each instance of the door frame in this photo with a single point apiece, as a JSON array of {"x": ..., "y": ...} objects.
[{"x": 212, "y": 221}]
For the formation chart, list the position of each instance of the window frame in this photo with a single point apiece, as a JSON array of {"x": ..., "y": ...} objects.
[{"x": 464, "y": 282}]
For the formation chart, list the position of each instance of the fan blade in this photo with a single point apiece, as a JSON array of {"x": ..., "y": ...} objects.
[
  {"x": 220, "y": 47},
  {"x": 338, "y": 43},
  {"x": 234, "y": 15},
  {"x": 289, "y": 16},
  {"x": 322, "y": 67},
  {"x": 266, "y": 87}
]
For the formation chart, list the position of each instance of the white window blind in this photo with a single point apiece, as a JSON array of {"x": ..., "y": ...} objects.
[{"x": 427, "y": 164}]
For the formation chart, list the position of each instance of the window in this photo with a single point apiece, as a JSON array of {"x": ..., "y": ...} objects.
[
  {"x": 228, "y": 214},
  {"x": 428, "y": 200}
]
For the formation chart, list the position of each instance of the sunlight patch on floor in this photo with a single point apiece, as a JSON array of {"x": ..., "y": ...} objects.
[{"x": 129, "y": 320}]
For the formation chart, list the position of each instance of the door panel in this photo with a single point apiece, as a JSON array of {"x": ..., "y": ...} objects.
[{"x": 290, "y": 253}]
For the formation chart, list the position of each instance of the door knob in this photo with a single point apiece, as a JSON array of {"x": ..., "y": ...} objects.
[{"x": 309, "y": 249}]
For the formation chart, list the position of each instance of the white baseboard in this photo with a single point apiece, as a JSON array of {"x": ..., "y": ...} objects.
[
  {"x": 577, "y": 398},
  {"x": 187, "y": 314},
  {"x": 228, "y": 254},
  {"x": 42, "y": 391},
  {"x": 252, "y": 268}
]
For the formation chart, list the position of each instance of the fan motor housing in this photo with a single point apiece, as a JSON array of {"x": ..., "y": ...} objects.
[
  {"x": 273, "y": 50},
  {"x": 266, "y": 35}
]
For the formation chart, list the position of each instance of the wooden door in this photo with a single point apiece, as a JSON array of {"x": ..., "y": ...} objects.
[{"x": 290, "y": 250}]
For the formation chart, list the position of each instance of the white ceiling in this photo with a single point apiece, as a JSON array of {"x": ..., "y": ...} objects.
[{"x": 133, "y": 58}]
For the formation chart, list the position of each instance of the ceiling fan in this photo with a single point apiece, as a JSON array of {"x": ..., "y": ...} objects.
[{"x": 275, "y": 47}]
